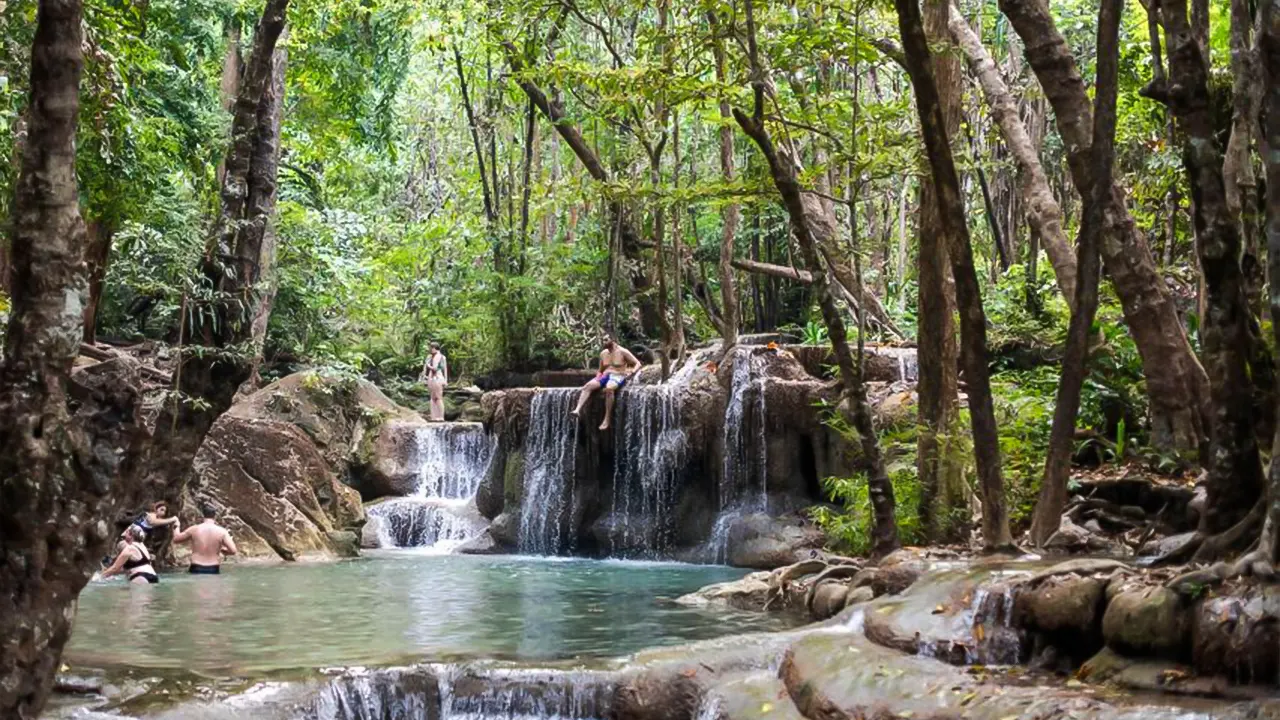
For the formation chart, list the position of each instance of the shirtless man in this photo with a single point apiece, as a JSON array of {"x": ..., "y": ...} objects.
[
  {"x": 617, "y": 365},
  {"x": 208, "y": 542}
]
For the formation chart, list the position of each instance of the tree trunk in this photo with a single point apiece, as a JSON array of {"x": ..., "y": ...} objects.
[
  {"x": 1053, "y": 488},
  {"x": 631, "y": 247},
  {"x": 1177, "y": 386},
  {"x": 1235, "y": 471},
  {"x": 230, "y": 266},
  {"x": 782, "y": 168},
  {"x": 97, "y": 252},
  {"x": 973, "y": 322},
  {"x": 258, "y": 250},
  {"x": 1042, "y": 210},
  {"x": 1268, "y": 43},
  {"x": 935, "y": 325},
  {"x": 59, "y": 473}
]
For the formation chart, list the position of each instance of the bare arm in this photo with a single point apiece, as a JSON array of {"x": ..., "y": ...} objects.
[
  {"x": 183, "y": 535},
  {"x": 228, "y": 545},
  {"x": 157, "y": 522},
  {"x": 118, "y": 564},
  {"x": 444, "y": 369},
  {"x": 632, "y": 361}
]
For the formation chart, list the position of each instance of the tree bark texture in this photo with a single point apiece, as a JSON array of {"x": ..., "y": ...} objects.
[
  {"x": 937, "y": 353},
  {"x": 258, "y": 250},
  {"x": 97, "y": 251},
  {"x": 973, "y": 323},
  {"x": 1268, "y": 43},
  {"x": 1177, "y": 386},
  {"x": 641, "y": 283},
  {"x": 67, "y": 447},
  {"x": 1042, "y": 209},
  {"x": 1235, "y": 470},
  {"x": 1057, "y": 466},
  {"x": 230, "y": 267},
  {"x": 782, "y": 169}
]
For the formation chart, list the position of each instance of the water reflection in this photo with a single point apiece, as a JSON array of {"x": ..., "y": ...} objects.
[{"x": 395, "y": 607}]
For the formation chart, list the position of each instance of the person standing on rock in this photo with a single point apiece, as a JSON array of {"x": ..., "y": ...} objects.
[
  {"x": 617, "y": 366},
  {"x": 208, "y": 542},
  {"x": 435, "y": 373}
]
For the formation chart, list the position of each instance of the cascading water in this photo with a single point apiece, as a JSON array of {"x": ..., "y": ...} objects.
[
  {"x": 448, "y": 692},
  {"x": 451, "y": 460},
  {"x": 743, "y": 477},
  {"x": 650, "y": 448},
  {"x": 550, "y": 467}
]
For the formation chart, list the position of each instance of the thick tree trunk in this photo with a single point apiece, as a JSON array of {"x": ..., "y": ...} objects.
[
  {"x": 973, "y": 322},
  {"x": 1177, "y": 386},
  {"x": 938, "y": 386},
  {"x": 641, "y": 283},
  {"x": 230, "y": 267},
  {"x": 258, "y": 249},
  {"x": 1042, "y": 209},
  {"x": 1235, "y": 471},
  {"x": 782, "y": 168},
  {"x": 97, "y": 252},
  {"x": 1053, "y": 488},
  {"x": 1268, "y": 43},
  {"x": 59, "y": 473}
]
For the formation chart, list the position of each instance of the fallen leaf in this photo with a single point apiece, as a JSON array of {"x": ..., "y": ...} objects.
[
  {"x": 689, "y": 672},
  {"x": 979, "y": 632},
  {"x": 766, "y": 707},
  {"x": 938, "y": 609}
]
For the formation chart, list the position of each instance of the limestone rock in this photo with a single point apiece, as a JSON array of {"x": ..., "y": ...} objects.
[
  {"x": 748, "y": 593},
  {"x": 1064, "y": 603},
  {"x": 1148, "y": 621},
  {"x": 829, "y": 598},
  {"x": 761, "y": 542},
  {"x": 505, "y": 530},
  {"x": 482, "y": 544}
]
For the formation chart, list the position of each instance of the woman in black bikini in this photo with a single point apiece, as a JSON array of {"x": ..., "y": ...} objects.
[
  {"x": 435, "y": 373},
  {"x": 134, "y": 559}
]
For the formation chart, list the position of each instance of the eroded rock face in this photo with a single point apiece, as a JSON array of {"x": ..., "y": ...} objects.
[
  {"x": 275, "y": 464},
  {"x": 763, "y": 542}
]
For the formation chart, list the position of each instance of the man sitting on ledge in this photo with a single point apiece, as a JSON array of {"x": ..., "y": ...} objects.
[{"x": 617, "y": 366}]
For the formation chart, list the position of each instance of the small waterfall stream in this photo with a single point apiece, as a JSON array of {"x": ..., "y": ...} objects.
[
  {"x": 744, "y": 474},
  {"x": 451, "y": 460},
  {"x": 549, "y": 474},
  {"x": 649, "y": 452}
]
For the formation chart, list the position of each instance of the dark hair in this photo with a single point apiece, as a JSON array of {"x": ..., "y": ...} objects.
[
  {"x": 435, "y": 345},
  {"x": 159, "y": 504},
  {"x": 208, "y": 511}
]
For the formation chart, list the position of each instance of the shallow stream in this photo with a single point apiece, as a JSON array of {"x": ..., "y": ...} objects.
[{"x": 399, "y": 606}]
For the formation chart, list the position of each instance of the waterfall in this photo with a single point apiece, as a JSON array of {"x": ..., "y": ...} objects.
[
  {"x": 467, "y": 694},
  {"x": 744, "y": 473},
  {"x": 546, "y": 516},
  {"x": 450, "y": 461},
  {"x": 649, "y": 452},
  {"x": 743, "y": 478},
  {"x": 451, "y": 692}
]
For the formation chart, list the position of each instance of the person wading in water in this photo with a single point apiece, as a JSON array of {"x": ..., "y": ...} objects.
[
  {"x": 134, "y": 559},
  {"x": 435, "y": 373},
  {"x": 617, "y": 366},
  {"x": 208, "y": 542}
]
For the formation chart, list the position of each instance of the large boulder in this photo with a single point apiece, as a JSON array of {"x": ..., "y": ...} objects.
[
  {"x": 761, "y": 542},
  {"x": 1146, "y": 620},
  {"x": 277, "y": 464}
]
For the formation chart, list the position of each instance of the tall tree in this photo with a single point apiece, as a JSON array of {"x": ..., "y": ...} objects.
[
  {"x": 854, "y": 405},
  {"x": 1235, "y": 479},
  {"x": 1053, "y": 488},
  {"x": 68, "y": 445},
  {"x": 973, "y": 321},
  {"x": 1268, "y": 44},
  {"x": 938, "y": 354},
  {"x": 731, "y": 212},
  {"x": 1177, "y": 387}
]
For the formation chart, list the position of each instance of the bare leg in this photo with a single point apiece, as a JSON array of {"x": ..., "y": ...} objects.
[
  {"x": 608, "y": 408},
  {"x": 584, "y": 396},
  {"x": 437, "y": 401}
]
